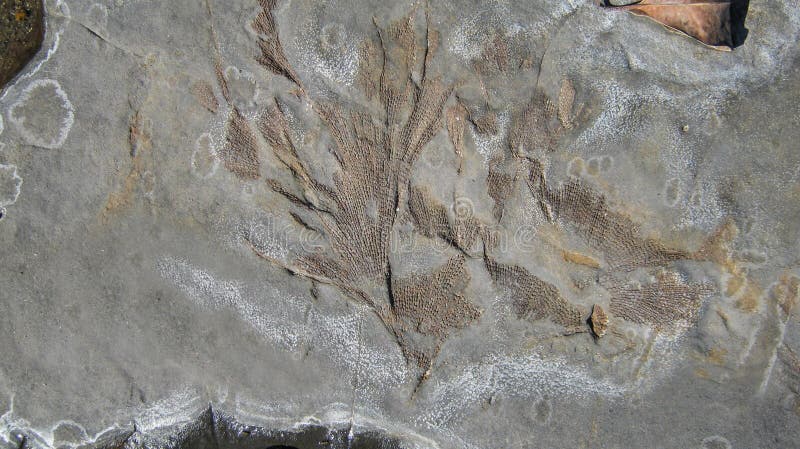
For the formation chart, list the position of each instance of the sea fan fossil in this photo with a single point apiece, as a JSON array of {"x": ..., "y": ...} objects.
[
  {"x": 667, "y": 300},
  {"x": 580, "y": 209},
  {"x": 358, "y": 209},
  {"x": 272, "y": 56},
  {"x": 240, "y": 154},
  {"x": 356, "y": 215},
  {"x": 535, "y": 299}
]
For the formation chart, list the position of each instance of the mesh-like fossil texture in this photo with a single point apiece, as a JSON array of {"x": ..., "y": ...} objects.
[
  {"x": 369, "y": 68},
  {"x": 358, "y": 211},
  {"x": 204, "y": 94},
  {"x": 355, "y": 211},
  {"x": 456, "y": 124},
  {"x": 582, "y": 209},
  {"x": 219, "y": 72},
  {"x": 566, "y": 101},
  {"x": 486, "y": 123},
  {"x": 535, "y": 299},
  {"x": 240, "y": 153},
  {"x": 534, "y": 127},
  {"x": 432, "y": 305},
  {"x": 375, "y": 155},
  {"x": 375, "y": 147},
  {"x": 272, "y": 56},
  {"x": 431, "y": 220},
  {"x": 501, "y": 181},
  {"x": 541, "y": 124},
  {"x": 497, "y": 52},
  {"x": 667, "y": 300},
  {"x": 613, "y": 233},
  {"x": 791, "y": 365},
  {"x": 497, "y": 57},
  {"x": 402, "y": 42}
]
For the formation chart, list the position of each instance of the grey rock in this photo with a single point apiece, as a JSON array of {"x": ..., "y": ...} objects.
[{"x": 218, "y": 232}]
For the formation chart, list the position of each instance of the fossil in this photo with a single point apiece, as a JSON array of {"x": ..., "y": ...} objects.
[
  {"x": 357, "y": 214},
  {"x": 536, "y": 299},
  {"x": 357, "y": 211},
  {"x": 240, "y": 154},
  {"x": 661, "y": 303},
  {"x": 204, "y": 94}
]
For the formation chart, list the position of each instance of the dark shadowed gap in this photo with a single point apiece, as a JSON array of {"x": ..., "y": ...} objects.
[
  {"x": 739, "y": 10},
  {"x": 212, "y": 430}
]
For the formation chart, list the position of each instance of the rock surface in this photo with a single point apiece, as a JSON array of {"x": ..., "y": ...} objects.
[{"x": 360, "y": 223}]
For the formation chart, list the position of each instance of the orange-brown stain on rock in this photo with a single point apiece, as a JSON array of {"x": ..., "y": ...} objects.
[
  {"x": 702, "y": 374},
  {"x": 580, "y": 259},
  {"x": 141, "y": 164},
  {"x": 734, "y": 284},
  {"x": 716, "y": 356},
  {"x": 708, "y": 21},
  {"x": 750, "y": 298},
  {"x": 785, "y": 293},
  {"x": 717, "y": 249}
]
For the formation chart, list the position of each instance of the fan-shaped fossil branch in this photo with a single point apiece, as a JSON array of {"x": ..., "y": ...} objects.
[
  {"x": 536, "y": 299},
  {"x": 240, "y": 154},
  {"x": 272, "y": 56},
  {"x": 663, "y": 302},
  {"x": 429, "y": 307},
  {"x": 580, "y": 208},
  {"x": 610, "y": 232},
  {"x": 431, "y": 220},
  {"x": 356, "y": 213}
]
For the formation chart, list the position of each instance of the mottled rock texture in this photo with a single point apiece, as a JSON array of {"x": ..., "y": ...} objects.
[{"x": 361, "y": 224}]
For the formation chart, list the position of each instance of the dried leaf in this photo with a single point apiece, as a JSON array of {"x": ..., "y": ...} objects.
[{"x": 708, "y": 21}]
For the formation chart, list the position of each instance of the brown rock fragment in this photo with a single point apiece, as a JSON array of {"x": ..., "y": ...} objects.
[
  {"x": 21, "y": 35},
  {"x": 598, "y": 321},
  {"x": 708, "y": 21}
]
